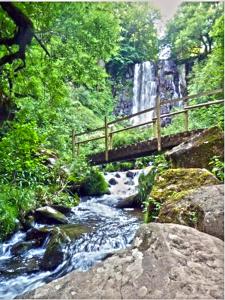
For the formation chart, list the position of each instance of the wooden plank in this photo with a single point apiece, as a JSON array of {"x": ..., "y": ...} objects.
[
  {"x": 110, "y": 138},
  {"x": 143, "y": 148},
  {"x": 131, "y": 116},
  {"x": 91, "y": 140},
  {"x": 192, "y": 96},
  {"x": 90, "y": 131},
  {"x": 132, "y": 127},
  {"x": 204, "y": 104},
  {"x": 193, "y": 107},
  {"x": 151, "y": 109}
]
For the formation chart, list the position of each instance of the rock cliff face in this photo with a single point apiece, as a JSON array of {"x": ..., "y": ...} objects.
[
  {"x": 166, "y": 261},
  {"x": 138, "y": 89}
]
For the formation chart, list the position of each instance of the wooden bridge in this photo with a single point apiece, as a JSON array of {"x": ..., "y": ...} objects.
[{"x": 155, "y": 144}]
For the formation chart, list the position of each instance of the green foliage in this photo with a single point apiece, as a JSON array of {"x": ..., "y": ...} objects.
[
  {"x": 151, "y": 210},
  {"x": 14, "y": 202},
  {"x": 119, "y": 166},
  {"x": 217, "y": 165},
  {"x": 211, "y": 70},
  {"x": 51, "y": 95},
  {"x": 139, "y": 40},
  {"x": 145, "y": 184},
  {"x": 188, "y": 32},
  {"x": 19, "y": 162},
  {"x": 94, "y": 184}
]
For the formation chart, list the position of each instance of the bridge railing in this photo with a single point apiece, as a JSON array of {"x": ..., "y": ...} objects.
[{"x": 156, "y": 121}]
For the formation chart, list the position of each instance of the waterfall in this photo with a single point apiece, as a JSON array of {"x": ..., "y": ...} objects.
[
  {"x": 144, "y": 90},
  {"x": 172, "y": 85}
]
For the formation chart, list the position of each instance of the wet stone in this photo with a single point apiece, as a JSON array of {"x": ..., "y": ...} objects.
[
  {"x": 112, "y": 181},
  {"x": 50, "y": 215},
  {"x": 130, "y": 174}
]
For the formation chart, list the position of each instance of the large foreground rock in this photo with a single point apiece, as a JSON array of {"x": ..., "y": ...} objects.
[
  {"x": 202, "y": 209},
  {"x": 197, "y": 152},
  {"x": 166, "y": 261}
]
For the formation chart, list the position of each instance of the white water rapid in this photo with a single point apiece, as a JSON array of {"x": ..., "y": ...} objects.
[
  {"x": 111, "y": 229},
  {"x": 144, "y": 91}
]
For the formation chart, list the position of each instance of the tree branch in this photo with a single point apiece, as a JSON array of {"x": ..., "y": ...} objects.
[{"x": 22, "y": 36}]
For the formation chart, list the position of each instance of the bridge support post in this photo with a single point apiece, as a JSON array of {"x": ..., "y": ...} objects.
[
  {"x": 106, "y": 140},
  {"x": 158, "y": 123},
  {"x": 110, "y": 138},
  {"x": 185, "y": 116}
]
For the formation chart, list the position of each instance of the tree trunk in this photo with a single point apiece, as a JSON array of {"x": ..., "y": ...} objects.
[{"x": 22, "y": 36}]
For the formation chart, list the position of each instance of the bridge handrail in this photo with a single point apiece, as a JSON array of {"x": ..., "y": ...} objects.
[{"x": 155, "y": 121}]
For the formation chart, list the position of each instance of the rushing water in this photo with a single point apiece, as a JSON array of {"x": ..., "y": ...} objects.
[
  {"x": 170, "y": 80},
  {"x": 111, "y": 229},
  {"x": 144, "y": 90}
]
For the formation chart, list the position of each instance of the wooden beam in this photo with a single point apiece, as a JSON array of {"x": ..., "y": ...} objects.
[
  {"x": 191, "y": 97},
  {"x": 91, "y": 140},
  {"x": 132, "y": 127},
  {"x": 131, "y": 116},
  {"x": 90, "y": 131}
]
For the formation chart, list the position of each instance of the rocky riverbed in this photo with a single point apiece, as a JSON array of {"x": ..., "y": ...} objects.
[{"x": 60, "y": 240}]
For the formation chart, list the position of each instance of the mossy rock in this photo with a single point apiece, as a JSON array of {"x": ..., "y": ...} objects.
[
  {"x": 174, "y": 184},
  {"x": 198, "y": 151},
  {"x": 202, "y": 209},
  {"x": 49, "y": 215},
  {"x": 131, "y": 201},
  {"x": 189, "y": 214},
  {"x": 94, "y": 184},
  {"x": 60, "y": 238}
]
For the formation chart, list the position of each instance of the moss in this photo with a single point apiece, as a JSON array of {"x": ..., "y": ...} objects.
[
  {"x": 94, "y": 184},
  {"x": 186, "y": 214},
  {"x": 199, "y": 150},
  {"x": 174, "y": 184}
]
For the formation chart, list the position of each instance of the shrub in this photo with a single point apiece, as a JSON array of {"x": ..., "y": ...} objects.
[
  {"x": 94, "y": 184},
  {"x": 217, "y": 165},
  {"x": 14, "y": 203},
  {"x": 119, "y": 166}
]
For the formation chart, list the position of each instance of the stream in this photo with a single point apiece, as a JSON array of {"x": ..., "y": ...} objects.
[{"x": 112, "y": 229}]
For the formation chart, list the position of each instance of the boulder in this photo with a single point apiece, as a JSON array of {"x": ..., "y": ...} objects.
[
  {"x": 117, "y": 175},
  {"x": 174, "y": 184},
  {"x": 38, "y": 235},
  {"x": 60, "y": 238},
  {"x": 166, "y": 261},
  {"x": 61, "y": 208},
  {"x": 112, "y": 181},
  {"x": 202, "y": 209},
  {"x": 130, "y": 174},
  {"x": 197, "y": 152},
  {"x": 129, "y": 202},
  {"x": 20, "y": 247},
  {"x": 54, "y": 254},
  {"x": 49, "y": 215}
]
